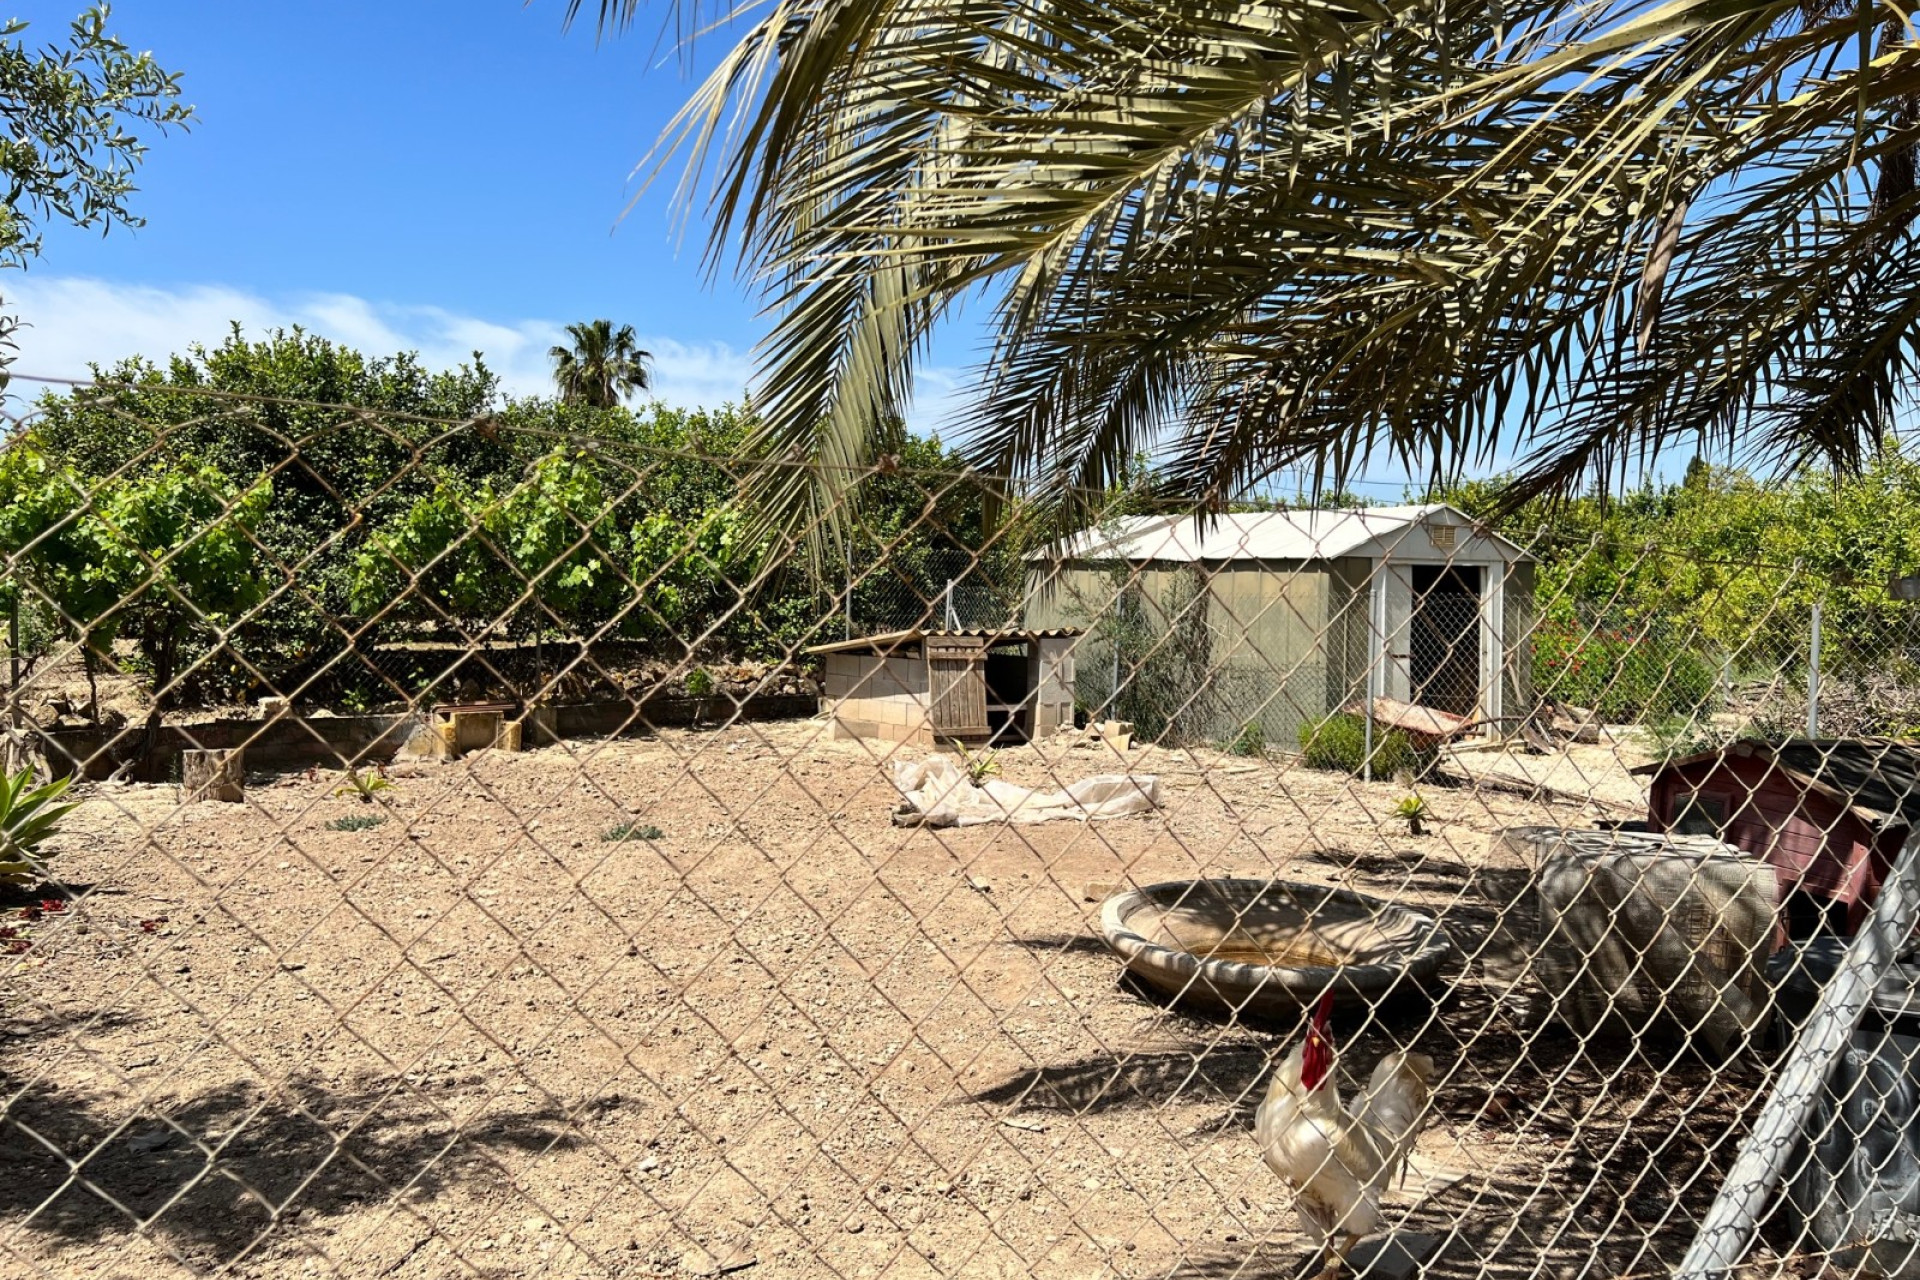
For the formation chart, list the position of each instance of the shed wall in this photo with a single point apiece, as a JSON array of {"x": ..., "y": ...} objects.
[
  {"x": 1518, "y": 617},
  {"x": 1288, "y": 641},
  {"x": 1349, "y": 632},
  {"x": 1812, "y": 841},
  {"x": 1271, "y": 650},
  {"x": 1253, "y": 654}
]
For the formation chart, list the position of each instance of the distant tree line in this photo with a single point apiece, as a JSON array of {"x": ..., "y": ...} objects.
[{"x": 263, "y": 515}]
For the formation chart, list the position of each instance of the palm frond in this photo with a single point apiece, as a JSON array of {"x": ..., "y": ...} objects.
[{"x": 1315, "y": 234}]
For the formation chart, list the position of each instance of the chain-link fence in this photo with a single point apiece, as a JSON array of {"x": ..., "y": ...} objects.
[{"x": 496, "y": 852}]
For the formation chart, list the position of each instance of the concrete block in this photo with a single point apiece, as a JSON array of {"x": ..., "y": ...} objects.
[
  {"x": 540, "y": 727},
  {"x": 425, "y": 742},
  {"x": 214, "y": 775},
  {"x": 1398, "y": 1255},
  {"x": 843, "y": 730},
  {"x": 474, "y": 730}
]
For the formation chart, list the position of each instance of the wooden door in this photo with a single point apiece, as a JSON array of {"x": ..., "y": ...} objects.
[{"x": 957, "y": 680}]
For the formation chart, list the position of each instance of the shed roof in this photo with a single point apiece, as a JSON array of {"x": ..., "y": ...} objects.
[
  {"x": 1306, "y": 534},
  {"x": 888, "y": 640},
  {"x": 1875, "y": 778}
]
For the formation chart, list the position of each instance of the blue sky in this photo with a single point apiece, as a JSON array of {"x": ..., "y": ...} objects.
[{"x": 428, "y": 174}]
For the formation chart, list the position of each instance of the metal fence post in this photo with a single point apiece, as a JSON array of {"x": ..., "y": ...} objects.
[
  {"x": 1813, "y": 676},
  {"x": 13, "y": 661}
]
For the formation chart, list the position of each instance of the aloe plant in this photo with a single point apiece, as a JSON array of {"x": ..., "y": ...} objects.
[
  {"x": 364, "y": 785},
  {"x": 28, "y": 816},
  {"x": 1414, "y": 810}
]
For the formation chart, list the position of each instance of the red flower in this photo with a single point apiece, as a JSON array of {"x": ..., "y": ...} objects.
[
  {"x": 153, "y": 925},
  {"x": 53, "y": 906},
  {"x": 17, "y": 946}
]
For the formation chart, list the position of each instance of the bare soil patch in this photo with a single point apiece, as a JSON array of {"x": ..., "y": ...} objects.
[{"x": 479, "y": 1038}]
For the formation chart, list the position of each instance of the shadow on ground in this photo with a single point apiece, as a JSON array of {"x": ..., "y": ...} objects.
[
  {"x": 1591, "y": 1155},
  {"x": 205, "y": 1174}
]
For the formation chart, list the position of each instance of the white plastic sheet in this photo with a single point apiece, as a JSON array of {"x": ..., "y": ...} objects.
[{"x": 941, "y": 793}]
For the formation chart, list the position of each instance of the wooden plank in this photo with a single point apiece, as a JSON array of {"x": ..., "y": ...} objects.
[
  {"x": 957, "y": 681},
  {"x": 297, "y": 741}
]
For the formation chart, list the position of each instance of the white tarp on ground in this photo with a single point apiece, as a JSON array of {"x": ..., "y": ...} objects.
[{"x": 942, "y": 794}]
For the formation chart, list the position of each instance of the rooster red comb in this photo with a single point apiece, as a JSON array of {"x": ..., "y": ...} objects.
[{"x": 1316, "y": 1060}]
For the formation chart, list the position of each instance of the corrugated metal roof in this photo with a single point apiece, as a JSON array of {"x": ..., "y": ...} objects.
[
  {"x": 1308, "y": 534},
  {"x": 913, "y": 635}
]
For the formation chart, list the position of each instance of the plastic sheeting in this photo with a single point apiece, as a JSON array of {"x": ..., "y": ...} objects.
[
  {"x": 1857, "y": 1192},
  {"x": 941, "y": 794}
]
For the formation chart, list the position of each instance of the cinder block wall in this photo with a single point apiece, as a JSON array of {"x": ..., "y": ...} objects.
[{"x": 871, "y": 696}]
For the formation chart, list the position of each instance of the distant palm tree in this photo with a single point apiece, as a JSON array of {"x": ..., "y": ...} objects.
[{"x": 603, "y": 366}]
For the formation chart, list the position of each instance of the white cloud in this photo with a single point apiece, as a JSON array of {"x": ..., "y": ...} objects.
[{"x": 72, "y": 321}]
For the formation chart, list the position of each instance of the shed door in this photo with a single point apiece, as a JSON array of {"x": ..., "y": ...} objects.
[
  {"x": 957, "y": 678},
  {"x": 1444, "y": 638}
]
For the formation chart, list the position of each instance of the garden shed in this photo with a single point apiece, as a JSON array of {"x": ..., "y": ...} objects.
[
  {"x": 931, "y": 688},
  {"x": 1828, "y": 814},
  {"x": 1274, "y": 619}
]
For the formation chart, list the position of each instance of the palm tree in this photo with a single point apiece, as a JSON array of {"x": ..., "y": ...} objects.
[
  {"x": 603, "y": 366},
  {"x": 1242, "y": 236}
]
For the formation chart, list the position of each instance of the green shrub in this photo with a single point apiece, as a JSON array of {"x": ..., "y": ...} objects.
[
  {"x": 1154, "y": 667},
  {"x": 356, "y": 822},
  {"x": 700, "y": 683},
  {"x": 1250, "y": 741},
  {"x": 1624, "y": 677},
  {"x": 1339, "y": 743},
  {"x": 632, "y": 831}
]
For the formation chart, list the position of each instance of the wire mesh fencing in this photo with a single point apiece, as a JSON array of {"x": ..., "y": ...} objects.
[{"x": 495, "y": 852}]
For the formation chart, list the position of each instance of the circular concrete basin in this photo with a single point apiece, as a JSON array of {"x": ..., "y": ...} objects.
[{"x": 1268, "y": 946}]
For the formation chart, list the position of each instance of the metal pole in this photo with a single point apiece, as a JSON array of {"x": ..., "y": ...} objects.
[
  {"x": 1728, "y": 1228},
  {"x": 1376, "y": 667},
  {"x": 13, "y": 661},
  {"x": 1813, "y": 676},
  {"x": 1366, "y": 721},
  {"x": 953, "y": 621},
  {"x": 849, "y": 562}
]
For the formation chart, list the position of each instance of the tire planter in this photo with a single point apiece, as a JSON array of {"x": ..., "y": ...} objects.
[{"x": 1269, "y": 946}]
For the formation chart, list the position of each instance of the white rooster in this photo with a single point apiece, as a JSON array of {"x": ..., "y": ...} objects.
[{"x": 1338, "y": 1161}]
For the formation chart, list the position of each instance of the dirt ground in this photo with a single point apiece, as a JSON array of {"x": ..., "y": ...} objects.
[{"x": 768, "y": 1030}]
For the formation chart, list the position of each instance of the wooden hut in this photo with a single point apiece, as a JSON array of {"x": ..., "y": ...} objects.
[
  {"x": 1828, "y": 815},
  {"x": 931, "y": 688}
]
